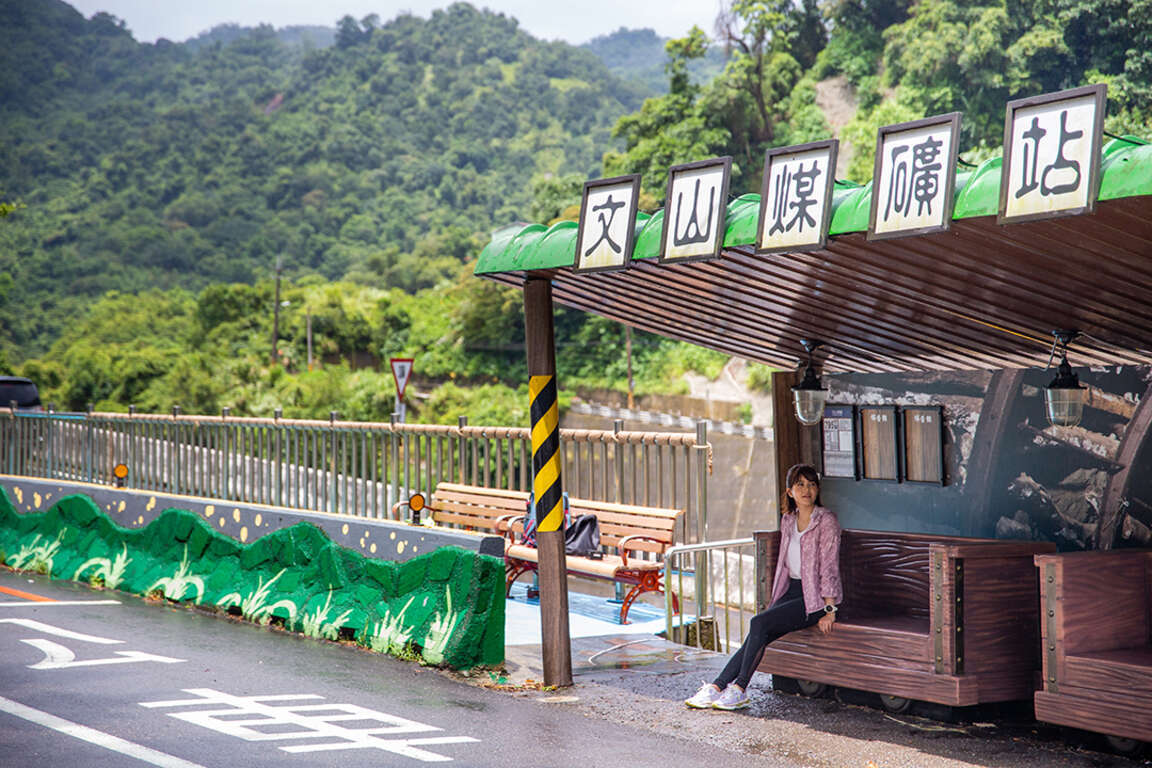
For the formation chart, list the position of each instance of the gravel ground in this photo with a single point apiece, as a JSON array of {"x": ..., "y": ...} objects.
[{"x": 644, "y": 684}]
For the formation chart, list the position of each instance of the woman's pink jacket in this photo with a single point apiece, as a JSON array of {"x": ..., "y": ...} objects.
[{"x": 819, "y": 560}]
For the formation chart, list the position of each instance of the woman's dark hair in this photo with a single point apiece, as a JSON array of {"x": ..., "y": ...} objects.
[{"x": 795, "y": 472}]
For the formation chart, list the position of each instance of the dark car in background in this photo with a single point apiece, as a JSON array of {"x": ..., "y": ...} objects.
[{"x": 22, "y": 391}]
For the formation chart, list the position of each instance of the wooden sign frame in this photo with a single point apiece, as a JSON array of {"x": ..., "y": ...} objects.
[
  {"x": 879, "y": 442},
  {"x": 913, "y": 433}
]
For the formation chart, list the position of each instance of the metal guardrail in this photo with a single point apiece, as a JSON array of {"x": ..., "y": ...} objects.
[
  {"x": 718, "y": 621},
  {"x": 354, "y": 468}
]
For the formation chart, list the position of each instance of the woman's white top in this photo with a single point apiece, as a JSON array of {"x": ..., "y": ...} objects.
[{"x": 793, "y": 554}]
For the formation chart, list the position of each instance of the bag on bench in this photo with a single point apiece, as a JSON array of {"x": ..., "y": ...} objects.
[{"x": 582, "y": 536}]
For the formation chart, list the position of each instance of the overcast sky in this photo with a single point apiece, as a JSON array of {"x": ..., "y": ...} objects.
[{"x": 576, "y": 22}]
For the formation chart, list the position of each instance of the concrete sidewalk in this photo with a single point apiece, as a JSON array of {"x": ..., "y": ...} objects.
[{"x": 630, "y": 676}]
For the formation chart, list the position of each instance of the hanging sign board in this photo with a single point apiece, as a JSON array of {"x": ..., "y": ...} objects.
[
  {"x": 1052, "y": 154},
  {"x": 915, "y": 175},
  {"x": 839, "y": 442},
  {"x": 796, "y": 197},
  {"x": 694, "y": 211},
  {"x": 607, "y": 227},
  {"x": 401, "y": 370}
]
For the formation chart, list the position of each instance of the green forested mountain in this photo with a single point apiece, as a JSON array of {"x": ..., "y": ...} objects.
[
  {"x": 161, "y": 184},
  {"x": 640, "y": 56},
  {"x": 384, "y": 159}
]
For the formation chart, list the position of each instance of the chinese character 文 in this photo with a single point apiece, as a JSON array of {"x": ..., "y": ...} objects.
[{"x": 611, "y": 206}]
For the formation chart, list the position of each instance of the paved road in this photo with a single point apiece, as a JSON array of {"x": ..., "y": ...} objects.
[{"x": 106, "y": 679}]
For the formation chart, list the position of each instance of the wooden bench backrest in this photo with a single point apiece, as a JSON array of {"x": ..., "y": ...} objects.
[
  {"x": 620, "y": 520},
  {"x": 1102, "y": 599},
  {"x": 474, "y": 507},
  {"x": 885, "y": 573},
  {"x": 480, "y": 508}
]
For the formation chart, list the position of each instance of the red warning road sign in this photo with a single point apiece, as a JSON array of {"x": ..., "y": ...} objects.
[{"x": 401, "y": 370}]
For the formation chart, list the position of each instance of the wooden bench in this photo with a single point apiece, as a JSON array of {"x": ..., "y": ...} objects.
[
  {"x": 1097, "y": 642},
  {"x": 932, "y": 618},
  {"x": 625, "y": 531}
]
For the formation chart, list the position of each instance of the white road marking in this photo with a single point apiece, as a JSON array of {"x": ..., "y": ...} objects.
[
  {"x": 57, "y": 656},
  {"x": 268, "y": 722},
  {"x": 93, "y": 736},
  {"x": 54, "y": 603},
  {"x": 48, "y": 629}
]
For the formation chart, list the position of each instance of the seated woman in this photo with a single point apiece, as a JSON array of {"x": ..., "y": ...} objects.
[{"x": 806, "y": 589}]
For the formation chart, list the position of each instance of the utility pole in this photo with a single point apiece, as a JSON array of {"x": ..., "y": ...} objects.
[
  {"x": 276, "y": 314},
  {"x": 628, "y": 351},
  {"x": 308, "y": 323},
  {"x": 540, "y": 343}
]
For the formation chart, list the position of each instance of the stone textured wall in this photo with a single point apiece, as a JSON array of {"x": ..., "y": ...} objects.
[{"x": 446, "y": 606}]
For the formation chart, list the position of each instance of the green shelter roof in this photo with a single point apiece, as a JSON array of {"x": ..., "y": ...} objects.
[
  {"x": 979, "y": 296},
  {"x": 1125, "y": 172}
]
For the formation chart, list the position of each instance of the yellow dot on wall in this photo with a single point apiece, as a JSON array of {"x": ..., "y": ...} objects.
[
  {"x": 140, "y": 520},
  {"x": 392, "y": 535},
  {"x": 344, "y": 530},
  {"x": 236, "y": 515},
  {"x": 151, "y": 505},
  {"x": 372, "y": 548},
  {"x": 19, "y": 493},
  {"x": 36, "y": 500},
  {"x": 400, "y": 547},
  {"x": 258, "y": 519},
  {"x": 223, "y": 520},
  {"x": 361, "y": 542},
  {"x": 367, "y": 534},
  {"x": 122, "y": 505},
  {"x": 244, "y": 533},
  {"x": 208, "y": 510},
  {"x": 415, "y": 550}
]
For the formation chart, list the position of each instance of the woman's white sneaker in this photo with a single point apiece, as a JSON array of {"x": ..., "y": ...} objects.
[
  {"x": 732, "y": 698},
  {"x": 704, "y": 698}
]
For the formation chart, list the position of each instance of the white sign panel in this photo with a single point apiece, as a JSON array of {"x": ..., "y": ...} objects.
[
  {"x": 401, "y": 370},
  {"x": 914, "y": 177},
  {"x": 1052, "y": 154},
  {"x": 796, "y": 197},
  {"x": 694, "y": 211},
  {"x": 607, "y": 223}
]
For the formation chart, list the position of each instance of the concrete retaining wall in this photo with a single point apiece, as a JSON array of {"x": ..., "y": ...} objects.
[{"x": 445, "y": 605}]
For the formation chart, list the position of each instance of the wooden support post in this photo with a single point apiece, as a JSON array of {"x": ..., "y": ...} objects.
[
  {"x": 556, "y": 641},
  {"x": 786, "y": 429}
]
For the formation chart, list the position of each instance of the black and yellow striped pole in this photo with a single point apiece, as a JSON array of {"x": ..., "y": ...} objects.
[{"x": 555, "y": 640}]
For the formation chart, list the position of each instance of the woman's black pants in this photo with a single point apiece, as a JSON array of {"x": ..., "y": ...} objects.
[{"x": 785, "y": 616}]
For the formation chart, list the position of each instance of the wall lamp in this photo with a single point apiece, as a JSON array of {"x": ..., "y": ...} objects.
[
  {"x": 1064, "y": 397},
  {"x": 810, "y": 395}
]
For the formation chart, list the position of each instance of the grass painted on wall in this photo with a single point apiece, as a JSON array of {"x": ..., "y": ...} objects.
[{"x": 445, "y": 607}]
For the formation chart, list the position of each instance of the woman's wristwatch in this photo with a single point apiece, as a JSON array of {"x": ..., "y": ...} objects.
[{"x": 830, "y": 608}]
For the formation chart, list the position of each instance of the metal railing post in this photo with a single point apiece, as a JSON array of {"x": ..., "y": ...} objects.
[
  {"x": 701, "y": 451},
  {"x": 333, "y": 486}
]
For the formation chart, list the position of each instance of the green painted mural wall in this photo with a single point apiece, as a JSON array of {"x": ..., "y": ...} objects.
[{"x": 445, "y": 607}]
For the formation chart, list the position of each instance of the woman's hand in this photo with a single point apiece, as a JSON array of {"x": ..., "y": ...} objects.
[{"x": 827, "y": 621}]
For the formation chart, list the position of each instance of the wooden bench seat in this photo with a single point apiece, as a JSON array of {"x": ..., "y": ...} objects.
[
  {"x": 633, "y": 538},
  {"x": 932, "y": 618},
  {"x": 1097, "y": 642}
]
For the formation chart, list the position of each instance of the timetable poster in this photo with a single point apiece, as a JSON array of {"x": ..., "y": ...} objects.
[{"x": 839, "y": 441}]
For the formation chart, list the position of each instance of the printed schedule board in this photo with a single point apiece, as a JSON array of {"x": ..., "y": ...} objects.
[{"x": 840, "y": 441}]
